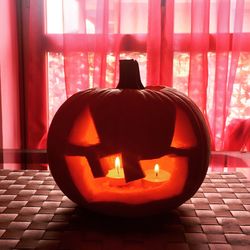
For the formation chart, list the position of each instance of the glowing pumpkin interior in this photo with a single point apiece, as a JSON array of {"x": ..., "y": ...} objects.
[
  {"x": 128, "y": 151},
  {"x": 164, "y": 177}
]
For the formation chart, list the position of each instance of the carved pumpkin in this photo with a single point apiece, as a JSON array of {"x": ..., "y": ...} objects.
[{"x": 128, "y": 151}]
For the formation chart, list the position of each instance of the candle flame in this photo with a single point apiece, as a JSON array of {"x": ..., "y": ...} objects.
[
  {"x": 157, "y": 169},
  {"x": 117, "y": 164}
]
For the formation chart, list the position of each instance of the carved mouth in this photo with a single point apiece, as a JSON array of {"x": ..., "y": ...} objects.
[{"x": 104, "y": 189}]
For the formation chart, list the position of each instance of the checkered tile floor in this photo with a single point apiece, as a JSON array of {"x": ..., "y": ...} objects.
[{"x": 34, "y": 214}]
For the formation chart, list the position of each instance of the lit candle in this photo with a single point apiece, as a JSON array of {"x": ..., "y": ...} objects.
[
  {"x": 156, "y": 175},
  {"x": 156, "y": 169},
  {"x": 116, "y": 174}
]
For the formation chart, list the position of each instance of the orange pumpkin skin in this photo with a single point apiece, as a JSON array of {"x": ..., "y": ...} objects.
[{"x": 141, "y": 126}]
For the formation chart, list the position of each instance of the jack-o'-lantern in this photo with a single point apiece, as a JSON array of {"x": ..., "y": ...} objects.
[{"x": 131, "y": 150}]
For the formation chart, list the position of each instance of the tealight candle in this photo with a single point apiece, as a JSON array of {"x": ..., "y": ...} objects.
[
  {"x": 156, "y": 175},
  {"x": 116, "y": 174}
]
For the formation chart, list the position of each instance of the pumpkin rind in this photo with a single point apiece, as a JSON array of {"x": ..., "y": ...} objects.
[{"x": 140, "y": 124}]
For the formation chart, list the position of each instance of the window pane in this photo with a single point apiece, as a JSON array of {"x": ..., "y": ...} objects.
[
  {"x": 56, "y": 79},
  {"x": 181, "y": 71},
  {"x": 246, "y": 20},
  {"x": 54, "y": 19},
  {"x": 71, "y": 16},
  {"x": 183, "y": 15},
  {"x": 56, "y": 86},
  {"x": 240, "y": 101}
]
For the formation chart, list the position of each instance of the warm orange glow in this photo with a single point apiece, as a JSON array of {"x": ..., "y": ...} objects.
[
  {"x": 116, "y": 175},
  {"x": 81, "y": 175},
  {"x": 105, "y": 189},
  {"x": 118, "y": 165},
  {"x": 155, "y": 176},
  {"x": 156, "y": 169},
  {"x": 184, "y": 135},
  {"x": 83, "y": 132},
  {"x": 111, "y": 161}
]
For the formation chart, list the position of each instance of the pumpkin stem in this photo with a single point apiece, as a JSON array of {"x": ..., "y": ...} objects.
[{"x": 129, "y": 75}]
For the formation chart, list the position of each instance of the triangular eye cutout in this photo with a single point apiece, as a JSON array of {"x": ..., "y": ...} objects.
[
  {"x": 83, "y": 132},
  {"x": 184, "y": 135}
]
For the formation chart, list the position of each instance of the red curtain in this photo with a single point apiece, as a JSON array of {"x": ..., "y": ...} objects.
[
  {"x": 199, "y": 28},
  {"x": 35, "y": 89},
  {"x": 10, "y": 134},
  {"x": 94, "y": 35}
]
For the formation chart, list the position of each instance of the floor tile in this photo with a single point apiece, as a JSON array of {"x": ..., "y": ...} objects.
[{"x": 35, "y": 214}]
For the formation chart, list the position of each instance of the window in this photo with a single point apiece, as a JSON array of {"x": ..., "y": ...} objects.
[
  {"x": 54, "y": 26},
  {"x": 126, "y": 35}
]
